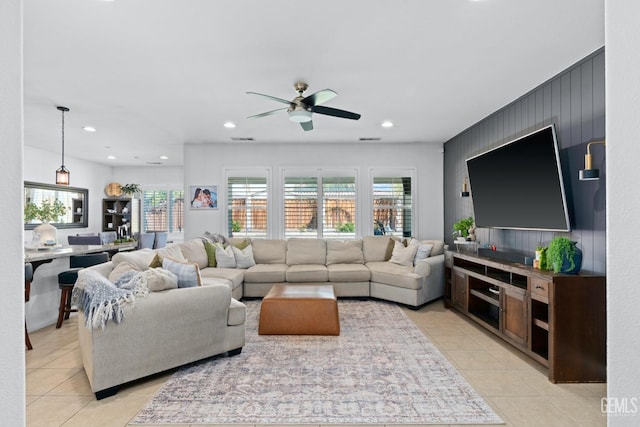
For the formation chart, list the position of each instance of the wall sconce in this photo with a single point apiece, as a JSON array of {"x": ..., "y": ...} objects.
[
  {"x": 589, "y": 173},
  {"x": 465, "y": 191},
  {"x": 62, "y": 174}
]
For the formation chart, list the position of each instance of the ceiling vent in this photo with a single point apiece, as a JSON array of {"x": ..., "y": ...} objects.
[
  {"x": 370, "y": 139},
  {"x": 241, "y": 139},
  {"x": 154, "y": 163}
]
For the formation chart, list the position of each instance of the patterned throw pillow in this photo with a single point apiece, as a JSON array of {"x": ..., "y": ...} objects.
[
  {"x": 243, "y": 257},
  {"x": 188, "y": 274},
  {"x": 225, "y": 257}
]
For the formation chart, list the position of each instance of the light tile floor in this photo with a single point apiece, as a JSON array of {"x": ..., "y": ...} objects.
[{"x": 517, "y": 388}]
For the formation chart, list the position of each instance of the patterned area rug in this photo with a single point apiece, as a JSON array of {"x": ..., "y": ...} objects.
[{"x": 381, "y": 370}]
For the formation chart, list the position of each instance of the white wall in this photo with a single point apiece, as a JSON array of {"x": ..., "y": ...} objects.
[
  {"x": 149, "y": 176},
  {"x": 206, "y": 165},
  {"x": 12, "y": 371},
  {"x": 622, "y": 35}
]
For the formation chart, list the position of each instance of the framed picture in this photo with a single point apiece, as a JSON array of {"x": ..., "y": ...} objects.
[{"x": 203, "y": 196}]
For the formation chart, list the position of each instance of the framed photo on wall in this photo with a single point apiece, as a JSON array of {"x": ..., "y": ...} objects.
[{"x": 203, "y": 196}]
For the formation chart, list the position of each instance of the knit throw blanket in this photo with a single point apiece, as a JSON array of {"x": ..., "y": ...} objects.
[{"x": 102, "y": 300}]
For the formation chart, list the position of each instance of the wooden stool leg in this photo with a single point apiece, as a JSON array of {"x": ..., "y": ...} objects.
[
  {"x": 67, "y": 308},
  {"x": 61, "y": 310},
  {"x": 27, "y": 341}
]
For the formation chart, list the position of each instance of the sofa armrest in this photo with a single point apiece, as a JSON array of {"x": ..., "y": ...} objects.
[{"x": 423, "y": 267}]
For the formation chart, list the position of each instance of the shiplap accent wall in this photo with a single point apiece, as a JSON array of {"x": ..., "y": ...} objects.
[{"x": 575, "y": 101}]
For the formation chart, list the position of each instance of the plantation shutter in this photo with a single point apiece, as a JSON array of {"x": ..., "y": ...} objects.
[
  {"x": 300, "y": 207},
  {"x": 247, "y": 206},
  {"x": 339, "y": 207}
]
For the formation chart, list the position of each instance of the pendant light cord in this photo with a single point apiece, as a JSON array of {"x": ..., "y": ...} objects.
[{"x": 62, "y": 138}]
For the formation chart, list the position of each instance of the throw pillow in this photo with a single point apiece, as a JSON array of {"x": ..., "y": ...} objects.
[
  {"x": 225, "y": 257},
  {"x": 188, "y": 274},
  {"x": 159, "y": 279},
  {"x": 241, "y": 244},
  {"x": 122, "y": 268},
  {"x": 403, "y": 255},
  {"x": 424, "y": 250},
  {"x": 172, "y": 252},
  {"x": 156, "y": 261},
  {"x": 243, "y": 257},
  {"x": 211, "y": 252}
]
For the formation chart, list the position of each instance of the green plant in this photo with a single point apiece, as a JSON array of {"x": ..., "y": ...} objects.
[
  {"x": 46, "y": 212},
  {"x": 560, "y": 248},
  {"x": 461, "y": 228},
  {"x": 235, "y": 226},
  {"x": 347, "y": 227},
  {"x": 131, "y": 188}
]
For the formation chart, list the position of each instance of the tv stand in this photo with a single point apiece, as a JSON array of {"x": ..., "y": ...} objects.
[{"x": 559, "y": 320}]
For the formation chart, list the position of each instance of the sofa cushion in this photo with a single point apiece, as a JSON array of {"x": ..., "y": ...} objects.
[
  {"x": 404, "y": 255},
  {"x": 194, "y": 251},
  {"x": 306, "y": 251},
  {"x": 244, "y": 257},
  {"x": 172, "y": 252},
  {"x": 237, "y": 313},
  {"x": 234, "y": 275},
  {"x": 239, "y": 242},
  {"x": 377, "y": 248},
  {"x": 424, "y": 251},
  {"x": 266, "y": 273},
  {"x": 188, "y": 273},
  {"x": 142, "y": 258},
  {"x": 389, "y": 273},
  {"x": 267, "y": 251},
  {"x": 348, "y": 273},
  {"x": 344, "y": 252},
  {"x": 300, "y": 273}
]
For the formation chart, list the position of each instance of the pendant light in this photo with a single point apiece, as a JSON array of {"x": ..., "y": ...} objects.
[{"x": 62, "y": 174}]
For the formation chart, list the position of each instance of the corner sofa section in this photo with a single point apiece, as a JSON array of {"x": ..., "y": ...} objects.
[{"x": 355, "y": 268}]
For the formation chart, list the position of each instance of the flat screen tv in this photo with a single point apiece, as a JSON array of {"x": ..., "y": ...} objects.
[{"x": 518, "y": 185}]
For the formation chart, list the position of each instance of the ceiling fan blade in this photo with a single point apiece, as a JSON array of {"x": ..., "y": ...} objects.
[
  {"x": 307, "y": 125},
  {"x": 335, "y": 112},
  {"x": 284, "y": 101},
  {"x": 268, "y": 113},
  {"x": 319, "y": 97}
]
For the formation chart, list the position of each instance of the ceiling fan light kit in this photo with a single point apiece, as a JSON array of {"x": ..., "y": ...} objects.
[{"x": 301, "y": 108}]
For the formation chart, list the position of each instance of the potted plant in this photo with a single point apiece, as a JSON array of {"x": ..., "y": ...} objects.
[
  {"x": 130, "y": 189},
  {"x": 461, "y": 228},
  {"x": 563, "y": 256}
]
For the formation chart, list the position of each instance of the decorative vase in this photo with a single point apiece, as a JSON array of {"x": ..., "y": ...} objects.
[
  {"x": 577, "y": 260},
  {"x": 47, "y": 233}
]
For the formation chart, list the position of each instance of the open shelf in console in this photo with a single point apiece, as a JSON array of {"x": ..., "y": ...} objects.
[
  {"x": 540, "y": 328},
  {"x": 484, "y": 301}
]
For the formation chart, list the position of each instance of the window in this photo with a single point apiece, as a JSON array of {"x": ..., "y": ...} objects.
[
  {"x": 163, "y": 210},
  {"x": 247, "y": 206},
  {"x": 392, "y": 206},
  {"x": 303, "y": 198}
]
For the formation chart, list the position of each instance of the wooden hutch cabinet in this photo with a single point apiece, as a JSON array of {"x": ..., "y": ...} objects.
[{"x": 558, "y": 320}]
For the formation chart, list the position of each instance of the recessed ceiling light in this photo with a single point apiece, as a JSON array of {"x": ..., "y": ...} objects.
[
  {"x": 89, "y": 128},
  {"x": 229, "y": 125},
  {"x": 164, "y": 157},
  {"x": 111, "y": 157},
  {"x": 387, "y": 124}
]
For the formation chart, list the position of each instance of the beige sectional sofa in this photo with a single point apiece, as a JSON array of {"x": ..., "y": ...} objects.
[
  {"x": 355, "y": 268},
  {"x": 169, "y": 328}
]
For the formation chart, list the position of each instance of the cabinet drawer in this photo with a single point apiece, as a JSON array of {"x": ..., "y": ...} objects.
[{"x": 540, "y": 287}]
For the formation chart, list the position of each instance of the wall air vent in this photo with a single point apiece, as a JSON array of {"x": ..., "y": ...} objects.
[
  {"x": 154, "y": 163},
  {"x": 370, "y": 139},
  {"x": 241, "y": 139}
]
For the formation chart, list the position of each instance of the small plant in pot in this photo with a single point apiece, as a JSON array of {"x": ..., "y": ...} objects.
[
  {"x": 461, "y": 228},
  {"x": 563, "y": 256},
  {"x": 130, "y": 189}
]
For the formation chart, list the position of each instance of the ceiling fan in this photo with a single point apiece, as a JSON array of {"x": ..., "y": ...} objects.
[{"x": 300, "y": 108}]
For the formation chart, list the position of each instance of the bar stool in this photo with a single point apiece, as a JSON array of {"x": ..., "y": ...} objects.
[
  {"x": 28, "y": 277},
  {"x": 67, "y": 279}
]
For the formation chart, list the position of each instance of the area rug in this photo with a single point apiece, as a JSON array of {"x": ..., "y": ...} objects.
[{"x": 381, "y": 370}]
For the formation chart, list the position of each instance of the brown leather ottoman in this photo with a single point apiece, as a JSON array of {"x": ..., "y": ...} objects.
[{"x": 299, "y": 310}]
